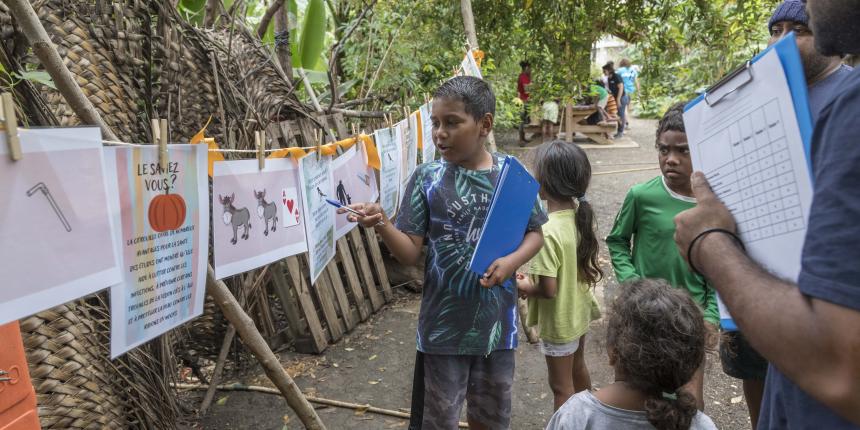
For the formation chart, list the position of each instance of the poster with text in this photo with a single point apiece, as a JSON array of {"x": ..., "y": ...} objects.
[
  {"x": 257, "y": 215},
  {"x": 164, "y": 219},
  {"x": 428, "y": 150},
  {"x": 389, "y": 171},
  {"x": 355, "y": 182},
  {"x": 56, "y": 232},
  {"x": 315, "y": 175}
]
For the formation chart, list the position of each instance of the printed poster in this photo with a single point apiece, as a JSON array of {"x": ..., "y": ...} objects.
[
  {"x": 315, "y": 175},
  {"x": 164, "y": 220},
  {"x": 469, "y": 67},
  {"x": 355, "y": 182},
  {"x": 428, "y": 149},
  {"x": 56, "y": 232},
  {"x": 389, "y": 172},
  {"x": 256, "y": 216}
]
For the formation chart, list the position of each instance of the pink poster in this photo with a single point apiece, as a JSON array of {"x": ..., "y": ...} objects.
[
  {"x": 257, "y": 214},
  {"x": 56, "y": 231}
]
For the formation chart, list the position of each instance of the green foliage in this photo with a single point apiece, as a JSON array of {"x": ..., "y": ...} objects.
[
  {"x": 313, "y": 34},
  {"x": 402, "y": 50},
  {"x": 192, "y": 10}
]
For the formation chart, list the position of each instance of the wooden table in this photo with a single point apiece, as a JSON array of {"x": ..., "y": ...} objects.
[{"x": 573, "y": 121}]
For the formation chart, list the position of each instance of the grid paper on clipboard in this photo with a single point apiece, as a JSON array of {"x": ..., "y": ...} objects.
[{"x": 755, "y": 180}]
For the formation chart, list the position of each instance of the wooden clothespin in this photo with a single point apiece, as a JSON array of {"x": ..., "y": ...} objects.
[
  {"x": 318, "y": 141},
  {"x": 260, "y": 144},
  {"x": 406, "y": 114},
  {"x": 354, "y": 129},
  {"x": 10, "y": 123},
  {"x": 159, "y": 136},
  {"x": 426, "y": 98}
]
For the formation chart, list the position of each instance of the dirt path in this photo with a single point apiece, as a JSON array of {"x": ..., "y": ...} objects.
[{"x": 373, "y": 364}]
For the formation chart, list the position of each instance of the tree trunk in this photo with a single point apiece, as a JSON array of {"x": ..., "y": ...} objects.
[
  {"x": 469, "y": 22},
  {"x": 29, "y": 22},
  {"x": 282, "y": 40},
  {"x": 276, "y": 6}
]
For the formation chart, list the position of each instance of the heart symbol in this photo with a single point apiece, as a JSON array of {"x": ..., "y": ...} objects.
[{"x": 289, "y": 204}]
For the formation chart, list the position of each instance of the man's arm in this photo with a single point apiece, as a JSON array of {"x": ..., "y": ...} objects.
[
  {"x": 546, "y": 287},
  {"x": 619, "y": 238},
  {"x": 813, "y": 342},
  {"x": 502, "y": 269}
]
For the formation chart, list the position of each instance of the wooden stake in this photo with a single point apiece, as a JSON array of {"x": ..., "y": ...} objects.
[
  {"x": 10, "y": 122},
  {"x": 254, "y": 341},
  {"x": 65, "y": 82}
]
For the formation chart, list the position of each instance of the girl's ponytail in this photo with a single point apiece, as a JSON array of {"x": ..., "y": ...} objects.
[
  {"x": 671, "y": 411},
  {"x": 588, "y": 247}
]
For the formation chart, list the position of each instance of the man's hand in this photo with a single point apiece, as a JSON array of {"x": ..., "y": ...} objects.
[
  {"x": 709, "y": 213},
  {"x": 498, "y": 272},
  {"x": 373, "y": 214}
]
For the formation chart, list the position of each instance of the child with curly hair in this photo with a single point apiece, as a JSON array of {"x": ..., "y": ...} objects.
[{"x": 655, "y": 339}]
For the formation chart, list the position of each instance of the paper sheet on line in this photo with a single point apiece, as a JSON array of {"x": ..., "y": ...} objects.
[{"x": 749, "y": 147}]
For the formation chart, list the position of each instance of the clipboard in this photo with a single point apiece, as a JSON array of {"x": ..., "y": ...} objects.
[
  {"x": 789, "y": 55},
  {"x": 508, "y": 216},
  {"x": 756, "y": 159}
]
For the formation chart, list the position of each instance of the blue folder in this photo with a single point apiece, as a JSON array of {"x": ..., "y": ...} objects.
[
  {"x": 508, "y": 216},
  {"x": 789, "y": 56}
]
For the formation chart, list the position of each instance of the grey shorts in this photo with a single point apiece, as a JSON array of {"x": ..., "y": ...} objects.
[{"x": 483, "y": 382}]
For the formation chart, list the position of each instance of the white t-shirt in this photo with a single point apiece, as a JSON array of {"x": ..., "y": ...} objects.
[{"x": 584, "y": 411}]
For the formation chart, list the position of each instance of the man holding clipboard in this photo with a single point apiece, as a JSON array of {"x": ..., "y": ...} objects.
[{"x": 809, "y": 331}]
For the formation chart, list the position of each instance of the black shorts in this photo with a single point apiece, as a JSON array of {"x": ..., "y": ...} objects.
[{"x": 739, "y": 359}]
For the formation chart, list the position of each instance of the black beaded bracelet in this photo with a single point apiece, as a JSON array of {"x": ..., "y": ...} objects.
[{"x": 705, "y": 233}]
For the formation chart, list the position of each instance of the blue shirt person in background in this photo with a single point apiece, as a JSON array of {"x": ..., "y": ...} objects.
[
  {"x": 629, "y": 75},
  {"x": 808, "y": 331}
]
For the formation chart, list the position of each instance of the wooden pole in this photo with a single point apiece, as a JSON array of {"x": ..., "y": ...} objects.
[
  {"x": 319, "y": 400},
  {"x": 282, "y": 41},
  {"x": 267, "y": 17},
  {"x": 35, "y": 33},
  {"x": 469, "y": 22},
  {"x": 254, "y": 341},
  {"x": 472, "y": 38}
]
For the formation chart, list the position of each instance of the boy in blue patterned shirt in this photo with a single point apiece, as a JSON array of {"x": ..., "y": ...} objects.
[{"x": 467, "y": 326}]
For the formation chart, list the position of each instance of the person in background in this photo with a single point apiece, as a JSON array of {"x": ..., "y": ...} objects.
[
  {"x": 824, "y": 75},
  {"x": 630, "y": 77},
  {"x": 616, "y": 88},
  {"x": 549, "y": 119},
  {"x": 565, "y": 270},
  {"x": 807, "y": 329},
  {"x": 640, "y": 243},
  {"x": 654, "y": 338},
  {"x": 523, "y": 83}
]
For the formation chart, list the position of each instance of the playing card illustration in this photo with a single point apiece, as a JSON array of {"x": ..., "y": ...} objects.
[{"x": 290, "y": 200}]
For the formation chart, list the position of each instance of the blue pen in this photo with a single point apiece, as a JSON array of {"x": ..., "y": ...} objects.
[{"x": 337, "y": 204}]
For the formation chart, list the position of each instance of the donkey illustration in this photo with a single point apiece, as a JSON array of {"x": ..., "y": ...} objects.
[
  {"x": 235, "y": 217},
  {"x": 267, "y": 211}
]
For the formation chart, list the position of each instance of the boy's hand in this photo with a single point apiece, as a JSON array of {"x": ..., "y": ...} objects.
[
  {"x": 373, "y": 214},
  {"x": 498, "y": 272}
]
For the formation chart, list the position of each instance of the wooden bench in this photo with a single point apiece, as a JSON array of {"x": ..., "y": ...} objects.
[{"x": 573, "y": 121}]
